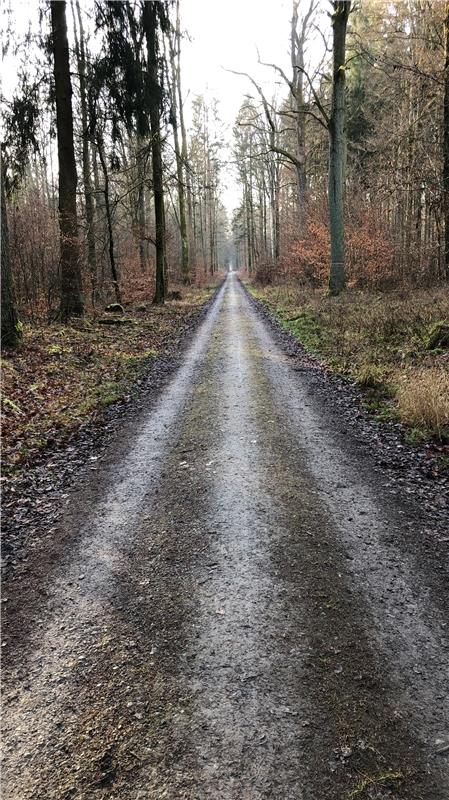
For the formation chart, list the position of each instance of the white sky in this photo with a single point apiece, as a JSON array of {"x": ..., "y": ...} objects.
[{"x": 223, "y": 34}]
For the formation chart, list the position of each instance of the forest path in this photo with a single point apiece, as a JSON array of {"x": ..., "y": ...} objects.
[{"x": 242, "y": 612}]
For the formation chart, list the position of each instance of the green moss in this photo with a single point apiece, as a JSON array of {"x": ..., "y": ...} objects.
[
  {"x": 13, "y": 406},
  {"x": 307, "y": 330}
]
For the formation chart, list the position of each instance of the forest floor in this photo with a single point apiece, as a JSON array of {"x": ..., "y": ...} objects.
[
  {"x": 382, "y": 342},
  {"x": 65, "y": 375},
  {"x": 241, "y": 594}
]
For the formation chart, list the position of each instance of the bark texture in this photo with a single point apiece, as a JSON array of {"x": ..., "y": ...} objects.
[
  {"x": 87, "y": 158},
  {"x": 180, "y": 167},
  {"x": 11, "y": 332},
  {"x": 150, "y": 21},
  {"x": 71, "y": 290},
  {"x": 446, "y": 143},
  {"x": 337, "y": 148}
]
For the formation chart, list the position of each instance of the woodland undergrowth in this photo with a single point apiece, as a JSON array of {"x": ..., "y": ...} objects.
[
  {"x": 383, "y": 341},
  {"x": 63, "y": 375}
]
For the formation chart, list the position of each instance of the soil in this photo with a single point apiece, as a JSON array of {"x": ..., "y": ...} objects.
[{"x": 243, "y": 594}]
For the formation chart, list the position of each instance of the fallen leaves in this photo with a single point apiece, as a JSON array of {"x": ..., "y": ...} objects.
[{"x": 64, "y": 374}]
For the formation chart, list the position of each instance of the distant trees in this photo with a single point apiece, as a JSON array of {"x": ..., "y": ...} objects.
[
  {"x": 256, "y": 222},
  {"x": 204, "y": 169},
  {"x": 138, "y": 191},
  {"x": 71, "y": 303},
  {"x": 370, "y": 122}
]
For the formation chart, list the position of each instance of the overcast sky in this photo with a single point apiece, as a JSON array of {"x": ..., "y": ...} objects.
[
  {"x": 222, "y": 34},
  {"x": 227, "y": 35}
]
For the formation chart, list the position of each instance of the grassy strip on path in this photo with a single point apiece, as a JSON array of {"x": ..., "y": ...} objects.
[
  {"x": 384, "y": 342},
  {"x": 62, "y": 374}
]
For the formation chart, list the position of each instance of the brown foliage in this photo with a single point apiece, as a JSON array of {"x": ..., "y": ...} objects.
[
  {"x": 369, "y": 253},
  {"x": 34, "y": 243}
]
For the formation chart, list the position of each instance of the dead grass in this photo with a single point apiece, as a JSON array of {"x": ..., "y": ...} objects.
[
  {"x": 379, "y": 340},
  {"x": 422, "y": 399}
]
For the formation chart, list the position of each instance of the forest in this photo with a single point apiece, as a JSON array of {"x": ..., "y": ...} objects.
[
  {"x": 225, "y": 400},
  {"x": 114, "y": 192}
]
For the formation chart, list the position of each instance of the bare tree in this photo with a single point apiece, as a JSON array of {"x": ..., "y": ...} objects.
[
  {"x": 11, "y": 332},
  {"x": 174, "y": 47},
  {"x": 80, "y": 50},
  {"x": 337, "y": 147},
  {"x": 152, "y": 12},
  {"x": 71, "y": 296},
  {"x": 446, "y": 142}
]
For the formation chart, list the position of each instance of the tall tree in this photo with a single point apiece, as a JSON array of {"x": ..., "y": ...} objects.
[
  {"x": 184, "y": 147},
  {"x": 71, "y": 290},
  {"x": 80, "y": 50},
  {"x": 337, "y": 147},
  {"x": 174, "y": 45},
  {"x": 446, "y": 142},
  {"x": 11, "y": 331},
  {"x": 153, "y": 17}
]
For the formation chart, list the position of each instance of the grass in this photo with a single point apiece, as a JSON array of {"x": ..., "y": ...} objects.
[
  {"x": 369, "y": 783},
  {"x": 62, "y": 375},
  {"x": 381, "y": 342}
]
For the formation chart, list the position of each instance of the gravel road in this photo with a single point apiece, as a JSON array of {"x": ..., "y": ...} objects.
[{"x": 244, "y": 607}]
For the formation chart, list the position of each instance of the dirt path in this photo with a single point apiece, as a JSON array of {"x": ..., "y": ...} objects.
[{"x": 243, "y": 610}]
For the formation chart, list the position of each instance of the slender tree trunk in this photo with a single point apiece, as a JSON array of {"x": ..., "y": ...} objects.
[
  {"x": 87, "y": 160},
  {"x": 100, "y": 216},
  {"x": 184, "y": 148},
  {"x": 277, "y": 222},
  {"x": 185, "y": 256},
  {"x": 337, "y": 148},
  {"x": 71, "y": 296},
  {"x": 184, "y": 151},
  {"x": 107, "y": 203},
  {"x": 141, "y": 221},
  {"x": 150, "y": 26},
  {"x": 11, "y": 330},
  {"x": 297, "y": 59},
  {"x": 446, "y": 144}
]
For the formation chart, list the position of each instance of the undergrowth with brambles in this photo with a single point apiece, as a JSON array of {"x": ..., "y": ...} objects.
[{"x": 392, "y": 344}]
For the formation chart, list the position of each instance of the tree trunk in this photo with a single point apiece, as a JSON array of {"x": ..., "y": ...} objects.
[
  {"x": 87, "y": 160},
  {"x": 141, "y": 221},
  {"x": 446, "y": 144},
  {"x": 11, "y": 330},
  {"x": 150, "y": 26},
  {"x": 337, "y": 148},
  {"x": 71, "y": 296},
  {"x": 297, "y": 59},
  {"x": 100, "y": 216},
  {"x": 180, "y": 167},
  {"x": 184, "y": 156},
  {"x": 107, "y": 202}
]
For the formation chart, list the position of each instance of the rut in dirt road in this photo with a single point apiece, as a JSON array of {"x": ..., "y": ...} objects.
[{"x": 240, "y": 612}]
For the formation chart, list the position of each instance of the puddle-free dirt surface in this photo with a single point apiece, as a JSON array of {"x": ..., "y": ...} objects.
[{"x": 242, "y": 610}]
